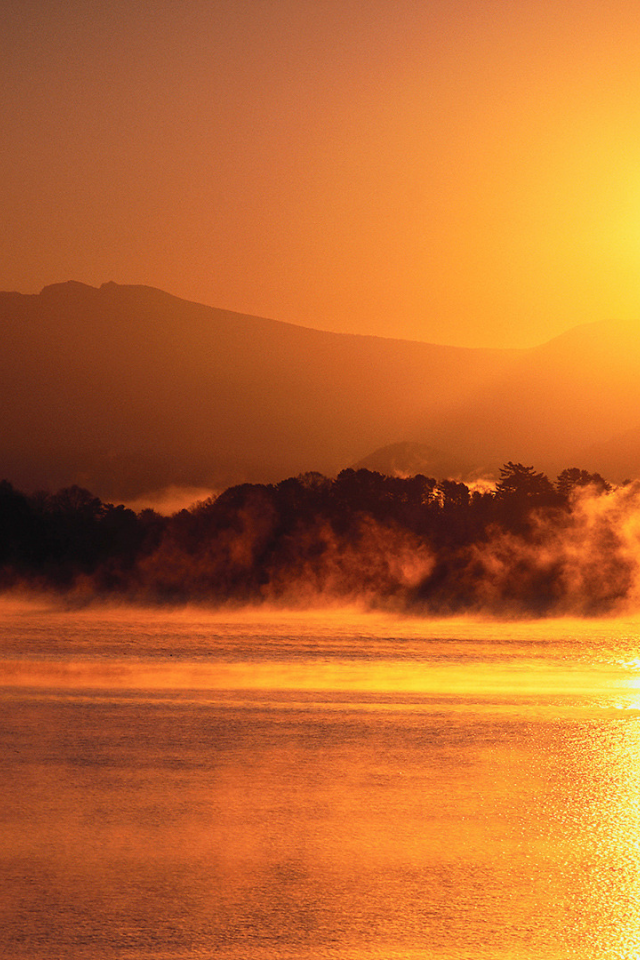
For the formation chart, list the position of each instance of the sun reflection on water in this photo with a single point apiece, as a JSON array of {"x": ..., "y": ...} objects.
[
  {"x": 598, "y": 836},
  {"x": 397, "y": 789}
]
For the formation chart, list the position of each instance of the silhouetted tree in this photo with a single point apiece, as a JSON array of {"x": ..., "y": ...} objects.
[
  {"x": 362, "y": 531},
  {"x": 75, "y": 501},
  {"x": 573, "y": 478},
  {"x": 519, "y": 492},
  {"x": 453, "y": 495},
  {"x": 523, "y": 484},
  {"x": 18, "y": 527}
]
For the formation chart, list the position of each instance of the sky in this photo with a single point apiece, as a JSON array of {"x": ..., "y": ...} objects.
[{"x": 457, "y": 171}]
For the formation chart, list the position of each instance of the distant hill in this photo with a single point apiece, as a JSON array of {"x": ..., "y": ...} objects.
[
  {"x": 618, "y": 457},
  {"x": 127, "y": 389},
  {"x": 557, "y": 403}
]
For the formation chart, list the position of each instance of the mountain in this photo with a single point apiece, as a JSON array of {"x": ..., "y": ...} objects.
[
  {"x": 126, "y": 389},
  {"x": 557, "y": 402},
  {"x": 618, "y": 457}
]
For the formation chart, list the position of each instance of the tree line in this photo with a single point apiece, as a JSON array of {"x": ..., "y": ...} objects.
[{"x": 414, "y": 541}]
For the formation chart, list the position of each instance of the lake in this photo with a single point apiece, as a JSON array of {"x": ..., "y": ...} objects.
[{"x": 193, "y": 784}]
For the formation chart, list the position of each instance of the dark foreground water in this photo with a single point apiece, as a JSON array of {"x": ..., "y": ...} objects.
[{"x": 317, "y": 786}]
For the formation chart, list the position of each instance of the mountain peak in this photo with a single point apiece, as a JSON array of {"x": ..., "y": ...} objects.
[{"x": 67, "y": 287}]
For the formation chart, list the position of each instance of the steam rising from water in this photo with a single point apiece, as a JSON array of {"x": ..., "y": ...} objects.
[
  {"x": 370, "y": 660},
  {"x": 244, "y": 549},
  {"x": 582, "y": 562}
]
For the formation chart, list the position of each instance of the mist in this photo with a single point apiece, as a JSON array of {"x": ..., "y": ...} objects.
[{"x": 410, "y": 546}]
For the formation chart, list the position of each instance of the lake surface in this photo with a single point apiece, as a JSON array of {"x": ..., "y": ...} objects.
[{"x": 338, "y": 785}]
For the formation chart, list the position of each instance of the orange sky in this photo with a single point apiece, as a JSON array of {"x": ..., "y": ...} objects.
[{"x": 460, "y": 171}]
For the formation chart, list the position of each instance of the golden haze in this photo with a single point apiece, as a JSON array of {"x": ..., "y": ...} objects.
[{"x": 451, "y": 171}]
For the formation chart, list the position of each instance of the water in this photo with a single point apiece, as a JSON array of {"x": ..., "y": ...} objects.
[{"x": 193, "y": 785}]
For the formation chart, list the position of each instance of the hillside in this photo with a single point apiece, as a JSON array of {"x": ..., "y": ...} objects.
[
  {"x": 557, "y": 403},
  {"x": 126, "y": 388}
]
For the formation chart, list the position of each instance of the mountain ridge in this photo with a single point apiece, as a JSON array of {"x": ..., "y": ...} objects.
[
  {"x": 163, "y": 296},
  {"x": 126, "y": 389}
]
